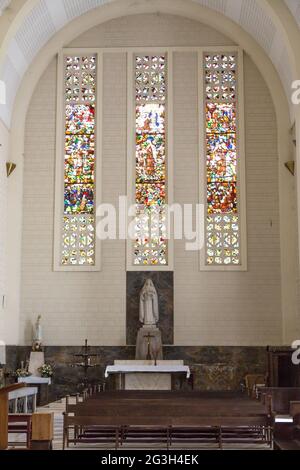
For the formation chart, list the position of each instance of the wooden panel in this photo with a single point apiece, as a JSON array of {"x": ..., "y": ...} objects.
[
  {"x": 11, "y": 388},
  {"x": 3, "y": 422},
  {"x": 42, "y": 426}
]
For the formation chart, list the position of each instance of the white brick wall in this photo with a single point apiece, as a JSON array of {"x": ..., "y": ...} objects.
[
  {"x": 4, "y": 136},
  {"x": 233, "y": 308},
  {"x": 78, "y": 305}
]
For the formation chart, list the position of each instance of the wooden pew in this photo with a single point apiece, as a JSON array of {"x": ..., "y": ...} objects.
[
  {"x": 295, "y": 411},
  {"x": 167, "y": 394},
  {"x": 287, "y": 435},
  {"x": 231, "y": 429},
  {"x": 166, "y": 417},
  {"x": 281, "y": 397}
]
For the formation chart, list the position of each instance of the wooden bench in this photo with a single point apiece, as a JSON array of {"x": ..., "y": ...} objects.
[
  {"x": 281, "y": 397},
  {"x": 288, "y": 437},
  {"x": 281, "y": 444},
  {"x": 166, "y": 417}
]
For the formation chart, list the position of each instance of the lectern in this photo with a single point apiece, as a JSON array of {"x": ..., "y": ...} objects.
[{"x": 4, "y": 413}]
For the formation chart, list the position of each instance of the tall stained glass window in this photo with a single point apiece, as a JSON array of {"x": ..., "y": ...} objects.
[
  {"x": 78, "y": 233},
  {"x": 150, "y": 246},
  {"x": 222, "y": 160}
]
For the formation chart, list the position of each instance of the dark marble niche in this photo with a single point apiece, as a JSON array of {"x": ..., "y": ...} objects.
[{"x": 164, "y": 284}]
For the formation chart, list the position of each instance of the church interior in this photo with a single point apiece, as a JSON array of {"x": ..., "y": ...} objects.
[{"x": 149, "y": 224}]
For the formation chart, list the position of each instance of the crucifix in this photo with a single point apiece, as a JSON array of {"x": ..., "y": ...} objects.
[{"x": 148, "y": 336}]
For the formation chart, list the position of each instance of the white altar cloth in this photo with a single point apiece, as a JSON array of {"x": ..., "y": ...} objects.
[
  {"x": 160, "y": 368},
  {"x": 35, "y": 380}
]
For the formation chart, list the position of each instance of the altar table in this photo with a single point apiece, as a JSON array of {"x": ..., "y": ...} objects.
[{"x": 145, "y": 375}]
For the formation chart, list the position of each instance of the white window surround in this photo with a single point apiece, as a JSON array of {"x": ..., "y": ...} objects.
[
  {"x": 241, "y": 172},
  {"x": 60, "y": 151},
  {"x": 131, "y": 148},
  {"x": 130, "y": 52}
]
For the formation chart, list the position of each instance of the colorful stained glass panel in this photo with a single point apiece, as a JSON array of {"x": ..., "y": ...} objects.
[
  {"x": 78, "y": 233},
  {"x": 221, "y": 198},
  {"x": 221, "y": 157},
  {"x": 150, "y": 158},
  {"x": 151, "y": 194},
  {"x": 150, "y": 119},
  {"x": 150, "y": 247},
  {"x": 222, "y": 229},
  {"x": 80, "y": 119},
  {"x": 79, "y": 198},
  {"x": 220, "y": 117},
  {"x": 79, "y": 159}
]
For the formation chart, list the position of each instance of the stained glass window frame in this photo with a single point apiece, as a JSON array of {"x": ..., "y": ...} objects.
[
  {"x": 240, "y": 151},
  {"x": 131, "y": 150},
  {"x": 59, "y": 209}
]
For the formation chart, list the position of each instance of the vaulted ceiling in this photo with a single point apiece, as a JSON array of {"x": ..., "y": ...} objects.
[
  {"x": 46, "y": 17},
  {"x": 294, "y": 6},
  {"x": 4, "y": 4}
]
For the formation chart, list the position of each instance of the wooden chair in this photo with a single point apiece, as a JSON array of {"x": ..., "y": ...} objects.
[
  {"x": 252, "y": 381},
  {"x": 4, "y": 393},
  {"x": 20, "y": 424}
]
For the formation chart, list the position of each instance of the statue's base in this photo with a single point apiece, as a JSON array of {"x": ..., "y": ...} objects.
[
  {"x": 36, "y": 361},
  {"x": 156, "y": 351}
]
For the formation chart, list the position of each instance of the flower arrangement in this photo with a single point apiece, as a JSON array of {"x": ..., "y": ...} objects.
[
  {"x": 46, "y": 370},
  {"x": 22, "y": 373}
]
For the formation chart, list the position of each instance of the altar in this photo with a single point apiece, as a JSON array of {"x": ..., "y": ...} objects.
[{"x": 145, "y": 374}]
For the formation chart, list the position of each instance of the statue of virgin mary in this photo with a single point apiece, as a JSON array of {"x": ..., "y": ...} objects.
[
  {"x": 37, "y": 335},
  {"x": 149, "y": 314}
]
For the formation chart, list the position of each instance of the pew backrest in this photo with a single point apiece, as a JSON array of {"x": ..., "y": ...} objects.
[{"x": 281, "y": 397}]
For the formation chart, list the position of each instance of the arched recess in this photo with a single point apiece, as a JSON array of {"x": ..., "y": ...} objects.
[
  {"x": 216, "y": 20},
  {"x": 27, "y": 25}
]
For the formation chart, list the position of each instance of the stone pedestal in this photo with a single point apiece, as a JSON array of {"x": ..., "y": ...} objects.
[
  {"x": 36, "y": 361},
  {"x": 141, "y": 351}
]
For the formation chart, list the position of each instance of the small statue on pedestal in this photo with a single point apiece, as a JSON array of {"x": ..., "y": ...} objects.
[
  {"x": 149, "y": 343},
  {"x": 149, "y": 314},
  {"x": 37, "y": 336},
  {"x": 37, "y": 357}
]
